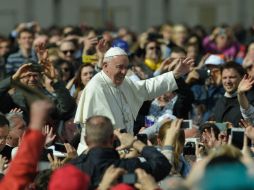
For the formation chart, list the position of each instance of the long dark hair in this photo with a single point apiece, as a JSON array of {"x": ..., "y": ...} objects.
[{"x": 78, "y": 82}]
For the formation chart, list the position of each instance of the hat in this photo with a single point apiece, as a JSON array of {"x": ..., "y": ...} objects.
[
  {"x": 214, "y": 60},
  {"x": 114, "y": 51},
  {"x": 121, "y": 44},
  {"x": 68, "y": 178}
]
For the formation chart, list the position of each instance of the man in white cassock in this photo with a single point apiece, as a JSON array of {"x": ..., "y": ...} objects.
[{"x": 110, "y": 93}]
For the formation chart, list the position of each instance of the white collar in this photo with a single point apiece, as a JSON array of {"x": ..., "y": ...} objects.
[{"x": 227, "y": 95}]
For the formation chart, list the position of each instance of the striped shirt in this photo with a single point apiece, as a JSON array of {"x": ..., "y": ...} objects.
[{"x": 15, "y": 60}]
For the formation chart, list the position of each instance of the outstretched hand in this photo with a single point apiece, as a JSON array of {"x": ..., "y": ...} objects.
[
  {"x": 39, "y": 112},
  {"x": 50, "y": 136},
  {"x": 183, "y": 67},
  {"x": 48, "y": 67},
  {"x": 102, "y": 47},
  {"x": 172, "y": 132},
  {"x": 245, "y": 84},
  {"x": 249, "y": 128}
]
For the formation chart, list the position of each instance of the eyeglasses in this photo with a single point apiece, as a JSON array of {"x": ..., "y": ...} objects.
[{"x": 65, "y": 52}]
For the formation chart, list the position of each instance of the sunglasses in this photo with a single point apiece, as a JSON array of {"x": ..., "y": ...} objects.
[{"x": 68, "y": 51}]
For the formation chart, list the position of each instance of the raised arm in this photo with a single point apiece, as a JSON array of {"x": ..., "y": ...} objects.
[
  {"x": 23, "y": 167},
  {"x": 244, "y": 86}
]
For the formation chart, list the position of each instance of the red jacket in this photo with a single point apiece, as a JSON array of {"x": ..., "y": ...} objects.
[{"x": 23, "y": 167}]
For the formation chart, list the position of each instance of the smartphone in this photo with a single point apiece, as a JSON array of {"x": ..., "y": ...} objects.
[
  {"x": 142, "y": 138},
  {"x": 129, "y": 178},
  {"x": 237, "y": 136},
  {"x": 189, "y": 148},
  {"x": 60, "y": 147},
  {"x": 186, "y": 124}
]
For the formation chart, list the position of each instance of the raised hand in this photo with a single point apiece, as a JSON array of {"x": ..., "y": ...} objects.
[
  {"x": 245, "y": 84},
  {"x": 183, "y": 67},
  {"x": 16, "y": 110},
  {"x": 102, "y": 47},
  {"x": 71, "y": 152},
  {"x": 172, "y": 132},
  {"x": 39, "y": 112},
  {"x": 22, "y": 69},
  {"x": 249, "y": 128},
  {"x": 48, "y": 67},
  {"x": 89, "y": 42},
  {"x": 42, "y": 53},
  {"x": 3, "y": 164},
  {"x": 50, "y": 137},
  {"x": 210, "y": 140}
]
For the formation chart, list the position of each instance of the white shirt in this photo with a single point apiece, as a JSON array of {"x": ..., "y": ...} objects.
[{"x": 120, "y": 104}]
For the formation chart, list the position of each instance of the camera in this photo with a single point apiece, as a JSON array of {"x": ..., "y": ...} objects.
[{"x": 204, "y": 73}]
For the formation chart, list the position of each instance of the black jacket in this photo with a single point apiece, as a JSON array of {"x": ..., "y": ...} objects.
[
  {"x": 99, "y": 159},
  {"x": 64, "y": 103},
  {"x": 227, "y": 109}
]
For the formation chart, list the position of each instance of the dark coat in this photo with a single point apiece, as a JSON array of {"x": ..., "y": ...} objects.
[
  {"x": 99, "y": 159},
  {"x": 183, "y": 104},
  {"x": 65, "y": 105},
  {"x": 228, "y": 109}
]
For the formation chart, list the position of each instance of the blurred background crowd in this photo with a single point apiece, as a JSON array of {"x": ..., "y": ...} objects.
[{"x": 204, "y": 129}]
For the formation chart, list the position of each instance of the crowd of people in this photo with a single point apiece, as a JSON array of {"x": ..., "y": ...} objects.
[{"x": 85, "y": 108}]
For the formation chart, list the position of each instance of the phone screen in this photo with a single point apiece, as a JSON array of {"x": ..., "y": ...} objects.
[
  {"x": 60, "y": 147},
  {"x": 237, "y": 139},
  {"x": 186, "y": 124}
]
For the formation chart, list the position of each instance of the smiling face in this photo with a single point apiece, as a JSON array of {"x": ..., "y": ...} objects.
[
  {"x": 116, "y": 68},
  {"x": 230, "y": 80},
  {"x": 86, "y": 74},
  {"x": 25, "y": 40}
]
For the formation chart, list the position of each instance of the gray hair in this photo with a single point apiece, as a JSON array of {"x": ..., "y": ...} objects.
[{"x": 108, "y": 59}]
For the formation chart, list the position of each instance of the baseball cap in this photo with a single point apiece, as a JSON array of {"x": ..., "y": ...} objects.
[
  {"x": 214, "y": 60},
  {"x": 121, "y": 44}
]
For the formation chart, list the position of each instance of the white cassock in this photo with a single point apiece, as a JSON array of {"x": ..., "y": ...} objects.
[{"x": 120, "y": 104}]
